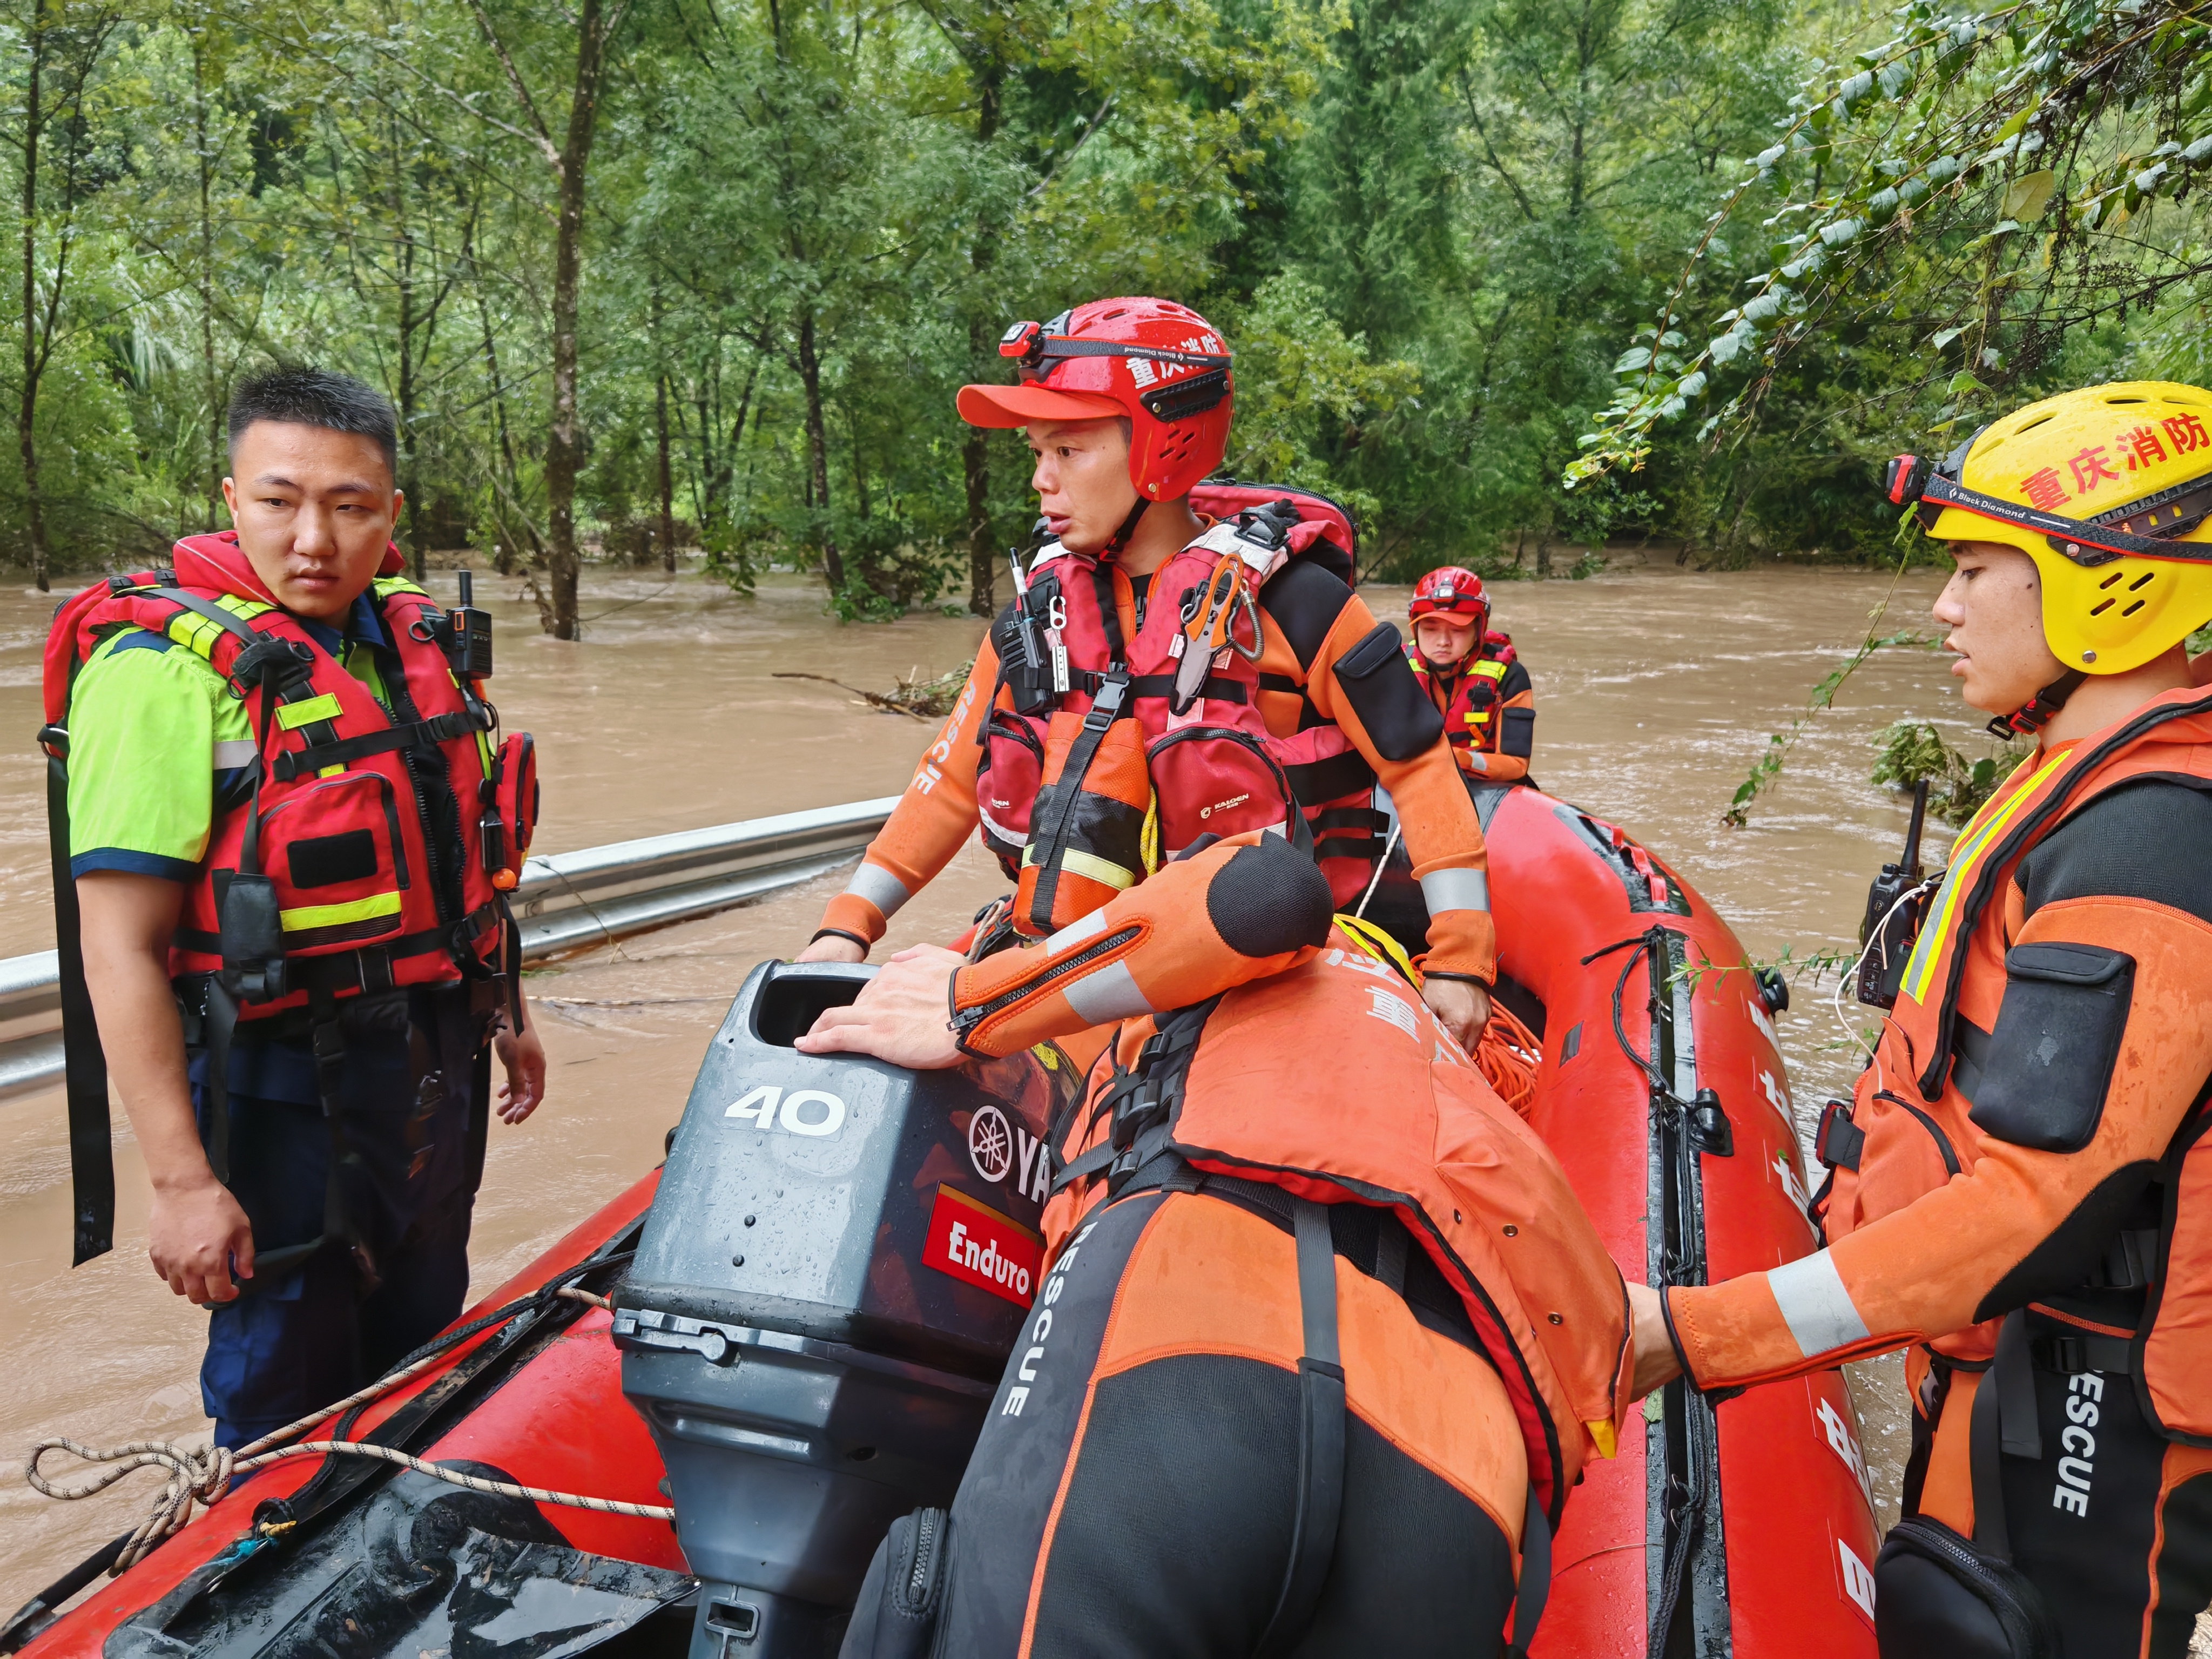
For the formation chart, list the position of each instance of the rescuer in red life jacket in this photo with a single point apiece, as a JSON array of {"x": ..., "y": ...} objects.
[
  {"x": 1473, "y": 675},
  {"x": 2020, "y": 1192},
  {"x": 1160, "y": 680},
  {"x": 289, "y": 830},
  {"x": 1325, "y": 1338}
]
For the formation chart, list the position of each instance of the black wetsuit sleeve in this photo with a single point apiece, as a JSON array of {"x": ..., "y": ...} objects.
[
  {"x": 1515, "y": 682},
  {"x": 2149, "y": 840}
]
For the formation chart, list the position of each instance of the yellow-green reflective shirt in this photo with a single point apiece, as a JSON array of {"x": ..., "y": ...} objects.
[{"x": 153, "y": 732}]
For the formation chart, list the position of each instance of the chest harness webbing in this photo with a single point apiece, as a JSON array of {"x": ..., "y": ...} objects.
[{"x": 1135, "y": 1157}]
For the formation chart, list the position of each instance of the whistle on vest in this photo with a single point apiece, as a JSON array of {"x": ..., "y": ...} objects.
[{"x": 1896, "y": 902}]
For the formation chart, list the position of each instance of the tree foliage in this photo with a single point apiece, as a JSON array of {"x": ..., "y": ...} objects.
[
  {"x": 650, "y": 276},
  {"x": 1968, "y": 213}
]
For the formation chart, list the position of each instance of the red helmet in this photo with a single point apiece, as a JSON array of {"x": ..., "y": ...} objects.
[
  {"x": 1161, "y": 365},
  {"x": 1450, "y": 590}
]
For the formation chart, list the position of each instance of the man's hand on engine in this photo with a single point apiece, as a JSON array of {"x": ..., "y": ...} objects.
[
  {"x": 1461, "y": 1006},
  {"x": 904, "y": 1014},
  {"x": 833, "y": 947}
]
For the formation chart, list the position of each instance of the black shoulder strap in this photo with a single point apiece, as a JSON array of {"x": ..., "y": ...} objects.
[
  {"x": 92, "y": 1160},
  {"x": 1535, "y": 1587},
  {"x": 2003, "y": 1425},
  {"x": 1320, "y": 1436},
  {"x": 1110, "y": 615},
  {"x": 227, "y": 620}
]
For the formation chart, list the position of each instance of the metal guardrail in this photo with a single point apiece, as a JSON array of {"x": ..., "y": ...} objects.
[{"x": 566, "y": 901}]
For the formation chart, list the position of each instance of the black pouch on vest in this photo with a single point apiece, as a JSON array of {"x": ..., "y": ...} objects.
[
  {"x": 1379, "y": 683},
  {"x": 2057, "y": 1040},
  {"x": 1516, "y": 731},
  {"x": 252, "y": 935},
  {"x": 1938, "y": 1597},
  {"x": 902, "y": 1595}
]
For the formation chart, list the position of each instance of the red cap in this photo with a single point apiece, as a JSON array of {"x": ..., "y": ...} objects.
[{"x": 1017, "y": 405}]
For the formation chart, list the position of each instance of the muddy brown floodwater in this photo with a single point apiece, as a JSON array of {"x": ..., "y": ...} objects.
[{"x": 1657, "y": 690}]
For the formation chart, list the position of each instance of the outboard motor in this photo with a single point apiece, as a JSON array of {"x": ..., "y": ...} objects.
[{"x": 834, "y": 1266}]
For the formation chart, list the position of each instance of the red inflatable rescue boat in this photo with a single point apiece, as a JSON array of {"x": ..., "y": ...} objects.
[{"x": 828, "y": 1380}]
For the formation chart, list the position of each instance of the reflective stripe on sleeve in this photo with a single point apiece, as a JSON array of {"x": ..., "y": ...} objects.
[
  {"x": 1455, "y": 890},
  {"x": 1107, "y": 995},
  {"x": 1815, "y": 1305},
  {"x": 234, "y": 752},
  {"x": 1075, "y": 932},
  {"x": 879, "y": 887}
]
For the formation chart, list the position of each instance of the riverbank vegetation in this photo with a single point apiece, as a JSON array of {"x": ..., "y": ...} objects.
[{"x": 1507, "y": 277}]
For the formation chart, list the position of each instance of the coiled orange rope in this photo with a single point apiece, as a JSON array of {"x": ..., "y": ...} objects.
[{"x": 1508, "y": 1057}]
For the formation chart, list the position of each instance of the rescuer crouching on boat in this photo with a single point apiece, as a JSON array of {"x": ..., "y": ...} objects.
[
  {"x": 1159, "y": 679},
  {"x": 1473, "y": 675},
  {"x": 2020, "y": 1189},
  {"x": 289, "y": 864},
  {"x": 1325, "y": 1338}
]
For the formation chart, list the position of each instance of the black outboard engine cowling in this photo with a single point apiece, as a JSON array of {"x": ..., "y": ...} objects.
[{"x": 831, "y": 1275}]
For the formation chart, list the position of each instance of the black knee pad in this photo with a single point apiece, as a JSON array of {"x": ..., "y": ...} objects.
[{"x": 1269, "y": 899}]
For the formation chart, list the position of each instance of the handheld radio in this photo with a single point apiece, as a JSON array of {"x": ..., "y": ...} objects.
[
  {"x": 469, "y": 645},
  {"x": 1891, "y": 922}
]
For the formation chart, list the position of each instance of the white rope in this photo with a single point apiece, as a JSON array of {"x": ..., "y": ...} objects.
[
  {"x": 1388, "y": 847},
  {"x": 202, "y": 1475}
]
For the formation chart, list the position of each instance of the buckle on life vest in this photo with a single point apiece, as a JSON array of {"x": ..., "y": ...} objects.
[
  {"x": 1106, "y": 705},
  {"x": 2086, "y": 1351},
  {"x": 1838, "y": 1141},
  {"x": 279, "y": 663}
]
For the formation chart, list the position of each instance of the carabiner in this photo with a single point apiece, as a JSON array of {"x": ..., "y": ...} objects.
[{"x": 1249, "y": 607}]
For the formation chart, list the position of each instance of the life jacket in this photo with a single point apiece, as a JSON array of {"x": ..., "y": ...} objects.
[
  {"x": 1907, "y": 1130},
  {"x": 1469, "y": 697},
  {"x": 1388, "y": 1111},
  {"x": 349, "y": 838},
  {"x": 1099, "y": 771}
]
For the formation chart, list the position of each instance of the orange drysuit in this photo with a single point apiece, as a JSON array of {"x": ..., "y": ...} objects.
[
  {"x": 2022, "y": 1178},
  {"x": 1310, "y": 620}
]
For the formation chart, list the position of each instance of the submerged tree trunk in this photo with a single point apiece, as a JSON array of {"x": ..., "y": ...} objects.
[
  {"x": 410, "y": 475},
  {"x": 818, "y": 450},
  {"x": 564, "y": 446},
  {"x": 27, "y": 410},
  {"x": 667, "y": 476},
  {"x": 976, "y": 450},
  {"x": 210, "y": 382}
]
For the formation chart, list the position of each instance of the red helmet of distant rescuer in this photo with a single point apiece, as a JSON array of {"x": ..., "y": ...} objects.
[
  {"x": 1451, "y": 590},
  {"x": 1160, "y": 364}
]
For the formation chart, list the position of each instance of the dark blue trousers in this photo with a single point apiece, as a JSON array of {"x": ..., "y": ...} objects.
[{"x": 413, "y": 1104}]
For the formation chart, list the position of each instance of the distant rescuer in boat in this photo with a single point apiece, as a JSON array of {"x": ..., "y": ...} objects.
[
  {"x": 1325, "y": 1337},
  {"x": 1190, "y": 680},
  {"x": 2020, "y": 1189},
  {"x": 1473, "y": 675},
  {"x": 284, "y": 846}
]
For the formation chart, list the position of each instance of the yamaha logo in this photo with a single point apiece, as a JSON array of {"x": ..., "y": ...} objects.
[{"x": 990, "y": 1144}]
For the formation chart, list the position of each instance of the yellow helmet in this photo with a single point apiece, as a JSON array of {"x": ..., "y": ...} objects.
[{"x": 2107, "y": 489}]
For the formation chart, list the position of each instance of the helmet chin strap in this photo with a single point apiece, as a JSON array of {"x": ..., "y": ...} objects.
[
  {"x": 2037, "y": 713},
  {"x": 1121, "y": 537}
]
